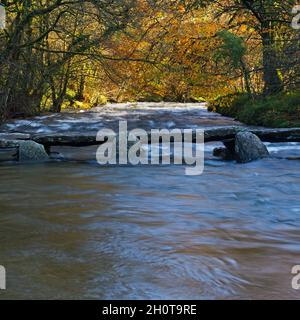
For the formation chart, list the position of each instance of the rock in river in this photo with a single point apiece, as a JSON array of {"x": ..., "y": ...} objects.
[
  {"x": 248, "y": 147},
  {"x": 27, "y": 150},
  {"x": 32, "y": 151}
]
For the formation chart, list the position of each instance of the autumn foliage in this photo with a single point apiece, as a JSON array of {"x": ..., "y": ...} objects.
[{"x": 59, "y": 54}]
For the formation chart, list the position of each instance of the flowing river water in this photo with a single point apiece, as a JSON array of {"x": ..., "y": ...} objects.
[{"x": 76, "y": 230}]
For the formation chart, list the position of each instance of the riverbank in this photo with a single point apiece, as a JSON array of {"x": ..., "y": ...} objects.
[{"x": 277, "y": 111}]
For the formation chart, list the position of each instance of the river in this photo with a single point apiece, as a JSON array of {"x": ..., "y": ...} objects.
[{"x": 76, "y": 230}]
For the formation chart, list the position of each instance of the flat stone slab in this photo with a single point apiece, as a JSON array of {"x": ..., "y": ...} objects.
[
  {"x": 67, "y": 139},
  {"x": 220, "y": 133},
  {"x": 210, "y": 134},
  {"x": 81, "y": 139},
  {"x": 14, "y": 136},
  {"x": 278, "y": 135}
]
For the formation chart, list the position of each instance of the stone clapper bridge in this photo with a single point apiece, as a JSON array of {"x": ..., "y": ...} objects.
[{"x": 37, "y": 147}]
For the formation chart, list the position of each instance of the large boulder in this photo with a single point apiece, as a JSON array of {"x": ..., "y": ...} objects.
[
  {"x": 32, "y": 151},
  {"x": 248, "y": 147},
  {"x": 27, "y": 150}
]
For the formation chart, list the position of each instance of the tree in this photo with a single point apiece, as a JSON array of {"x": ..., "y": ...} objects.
[
  {"x": 269, "y": 19},
  {"x": 232, "y": 53},
  {"x": 41, "y": 43}
]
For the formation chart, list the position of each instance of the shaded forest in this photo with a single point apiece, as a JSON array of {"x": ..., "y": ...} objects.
[{"x": 59, "y": 54}]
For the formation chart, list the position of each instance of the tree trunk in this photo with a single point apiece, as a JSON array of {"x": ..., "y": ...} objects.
[
  {"x": 273, "y": 83},
  {"x": 80, "y": 91},
  {"x": 247, "y": 79}
]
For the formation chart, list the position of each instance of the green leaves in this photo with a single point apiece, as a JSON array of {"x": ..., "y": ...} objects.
[{"x": 232, "y": 50}]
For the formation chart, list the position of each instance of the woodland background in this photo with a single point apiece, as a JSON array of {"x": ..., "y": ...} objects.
[{"x": 58, "y": 54}]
